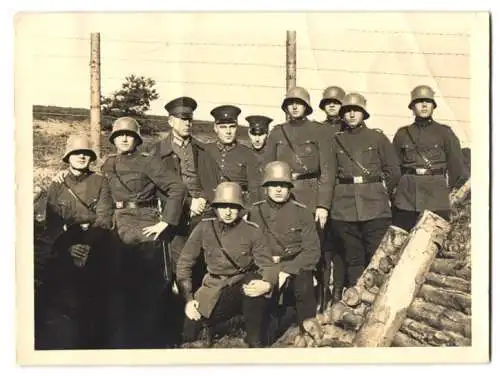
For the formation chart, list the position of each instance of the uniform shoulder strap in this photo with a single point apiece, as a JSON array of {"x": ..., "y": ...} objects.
[
  {"x": 299, "y": 204},
  {"x": 251, "y": 223}
]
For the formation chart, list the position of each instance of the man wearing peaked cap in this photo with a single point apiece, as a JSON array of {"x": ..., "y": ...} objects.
[
  {"x": 240, "y": 271},
  {"x": 330, "y": 104},
  {"x": 366, "y": 169},
  {"x": 182, "y": 107},
  {"x": 187, "y": 157},
  {"x": 305, "y": 146},
  {"x": 258, "y": 132},
  {"x": 236, "y": 162},
  {"x": 432, "y": 163},
  {"x": 69, "y": 303}
]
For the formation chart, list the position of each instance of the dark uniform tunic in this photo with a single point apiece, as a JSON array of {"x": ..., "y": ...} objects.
[
  {"x": 361, "y": 210},
  {"x": 197, "y": 170},
  {"x": 335, "y": 123},
  {"x": 236, "y": 164},
  {"x": 140, "y": 305},
  {"x": 261, "y": 164},
  {"x": 445, "y": 168},
  {"x": 135, "y": 178},
  {"x": 310, "y": 160},
  {"x": 71, "y": 299},
  {"x": 290, "y": 233},
  {"x": 220, "y": 296}
]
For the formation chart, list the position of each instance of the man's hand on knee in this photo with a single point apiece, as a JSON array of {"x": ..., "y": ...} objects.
[{"x": 256, "y": 287}]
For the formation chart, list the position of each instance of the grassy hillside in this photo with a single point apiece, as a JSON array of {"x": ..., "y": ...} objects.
[{"x": 52, "y": 125}]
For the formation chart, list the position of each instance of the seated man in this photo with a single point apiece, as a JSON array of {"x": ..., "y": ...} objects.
[
  {"x": 240, "y": 271},
  {"x": 291, "y": 235},
  {"x": 70, "y": 302}
]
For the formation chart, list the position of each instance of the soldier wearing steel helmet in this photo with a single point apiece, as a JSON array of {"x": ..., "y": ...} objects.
[
  {"x": 70, "y": 304},
  {"x": 290, "y": 234},
  {"x": 432, "y": 163},
  {"x": 367, "y": 170},
  {"x": 236, "y": 161},
  {"x": 330, "y": 104},
  {"x": 258, "y": 132},
  {"x": 134, "y": 178},
  {"x": 306, "y": 147},
  {"x": 239, "y": 271}
]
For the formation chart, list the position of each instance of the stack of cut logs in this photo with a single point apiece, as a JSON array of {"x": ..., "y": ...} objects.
[
  {"x": 441, "y": 313},
  {"x": 415, "y": 291},
  {"x": 356, "y": 301}
]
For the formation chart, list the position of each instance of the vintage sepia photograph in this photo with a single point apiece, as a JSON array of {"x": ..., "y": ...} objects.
[{"x": 255, "y": 182}]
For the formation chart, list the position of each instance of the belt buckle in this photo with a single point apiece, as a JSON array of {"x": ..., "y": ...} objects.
[
  {"x": 421, "y": 171},
  {"x": 119, "y": 204},
  {"x": 357, "y": 179},
  {"x": 295, "y": 175},
  {"x": 276, "y": 259}
]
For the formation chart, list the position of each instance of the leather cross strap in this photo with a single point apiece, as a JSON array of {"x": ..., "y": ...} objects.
[
  {"x": 115, "y": 170},
  {"x": 78, "y": 198},
  {"x": 268, "y": 229},
  {"x": 427, "y": 162},
  {"x": 297, "y": 158},
  {"x": 226, "y": 255},
  {"x": 363, "y": 169}
]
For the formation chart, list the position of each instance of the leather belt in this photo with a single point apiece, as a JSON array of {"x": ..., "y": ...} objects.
[
  {"x": 359, "y": 180},
  {"x": 299, "y": 176},
  {"x": 135, "y": 204},
  {"x": 422, "y": 171},
  {"x": 223, "y": 276},
  {"x": 278, "y": 259}
]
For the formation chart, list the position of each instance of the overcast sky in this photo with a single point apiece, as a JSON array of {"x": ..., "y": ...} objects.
[{"x": 236, "y": 58}]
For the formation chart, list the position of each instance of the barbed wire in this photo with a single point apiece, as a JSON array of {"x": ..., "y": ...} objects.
[
  {"x": 225, "y": 44},
  {"x": 264, "y": 65},
  {"x": 370, "y": 31}
]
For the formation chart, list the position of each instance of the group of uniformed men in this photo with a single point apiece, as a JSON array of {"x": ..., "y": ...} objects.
[{"x": 223, "y": 229}]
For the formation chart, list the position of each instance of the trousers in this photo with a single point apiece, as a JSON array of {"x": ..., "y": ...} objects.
[
  {"x": 406, "y": 219},
  {"x": 360, "y": 240},
  {"x": 233, "y": 302}
]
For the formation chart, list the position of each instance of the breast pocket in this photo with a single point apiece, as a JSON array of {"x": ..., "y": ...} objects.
[
  {"x": 308, "y": 152},
  {"x": 435, "y": 153},
  {"x": 409, "y": 153},
  {"x": 370, "y": 156},
  {"x": 293, "y": 237}
]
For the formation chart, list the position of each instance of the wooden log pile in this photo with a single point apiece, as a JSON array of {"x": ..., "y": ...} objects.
[
  {"x": 350, "y": 312},
  {"x": 441, "y": 313}
]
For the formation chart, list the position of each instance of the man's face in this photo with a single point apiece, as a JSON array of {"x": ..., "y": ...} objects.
[
  {"x": 423, "y": 108},
  {"x": 332, "y": 108},
  {"x": 180, "y": 127},
  {"x": 353, "y": 117},
  {"x": 257, "y": 140},
  {"x": 296, "y": 109},
  {"x": 278, "y": 192},
  {"x": 227, "y": 213},
  {"x": 79, "y": 160},
  {"x": 125, "y": 142},
  {"x": 226, "y": 133}
]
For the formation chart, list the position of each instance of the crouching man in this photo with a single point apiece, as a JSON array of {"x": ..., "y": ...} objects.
[
  {"x": 291, "y": 236},
  {"x": 239, "y": 271}
]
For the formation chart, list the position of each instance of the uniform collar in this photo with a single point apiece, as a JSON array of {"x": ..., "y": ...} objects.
[
  {"x": 356, "y": 130},
  {"x": 224, "y": 147},
  {"x": 79, "y": 178},
  {"x": 276, "y": 205},
  {"x": 422, "y": 122},
  {"x": 333, "y": 119},
  {"x": 179, "y": 141},
  {"x": 298, "y": 122},
  {"x": 228, "y": 226}
]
